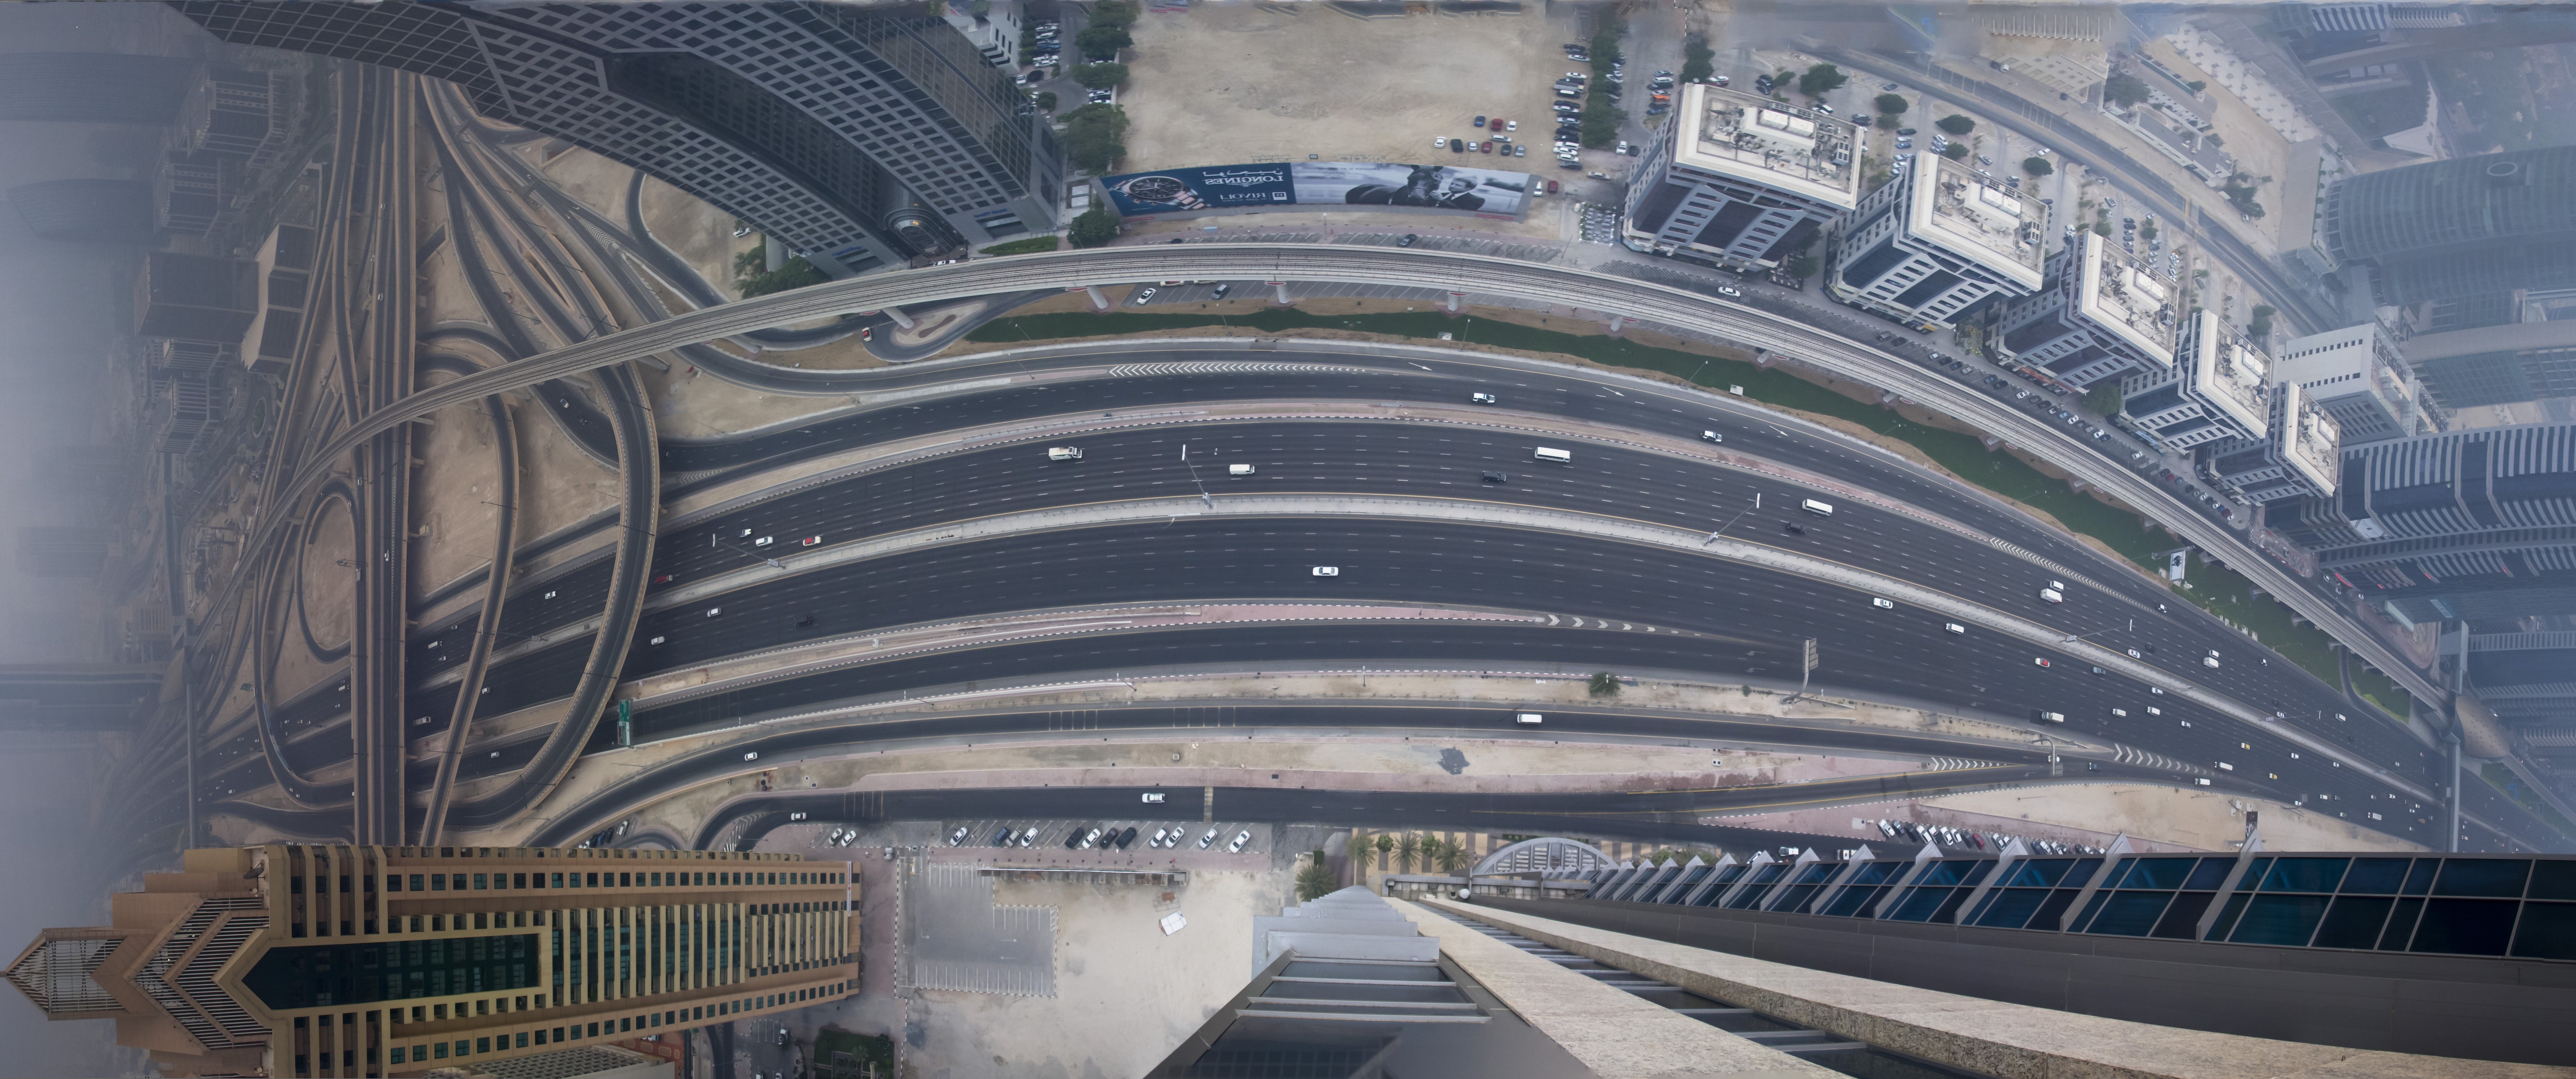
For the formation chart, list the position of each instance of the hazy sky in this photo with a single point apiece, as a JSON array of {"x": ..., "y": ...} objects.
[{"x": 62, "y": 308}]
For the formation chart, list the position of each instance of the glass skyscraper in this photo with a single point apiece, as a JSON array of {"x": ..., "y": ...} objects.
[{"x": 860, "y": 137}]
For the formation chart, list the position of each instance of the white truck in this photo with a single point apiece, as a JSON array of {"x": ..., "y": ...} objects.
[{"x": 1064, "y": 453}]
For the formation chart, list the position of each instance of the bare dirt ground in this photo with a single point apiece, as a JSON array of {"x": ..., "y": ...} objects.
[{"x": 1276, "y": 82}]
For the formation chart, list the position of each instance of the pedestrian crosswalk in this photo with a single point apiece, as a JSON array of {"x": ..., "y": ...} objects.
[{"x": 1218, "y": 367}]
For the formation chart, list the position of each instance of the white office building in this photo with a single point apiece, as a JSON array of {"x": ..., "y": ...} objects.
[
  {"x": 2357, "y": 375},
  {"x": 1935, "y": 241},
  {"x": 2302, "y": 455},
  {"x": 2220, "y": 388},
  {"x": 1741, "y": 181},
  {"x": 2105, "y": 312}
]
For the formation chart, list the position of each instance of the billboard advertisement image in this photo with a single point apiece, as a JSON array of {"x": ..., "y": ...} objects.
[
  {"x": 1437, "y": 187},
  {"x": 1215, "y": 187},
  {"x": 1319, "y": 184}
]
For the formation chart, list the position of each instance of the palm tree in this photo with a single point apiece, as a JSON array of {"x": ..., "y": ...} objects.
[
  {"x": 1405, "y": 851},
  {"x": 1385, "y": 844},
  {"x": 1453, "y": 856}
]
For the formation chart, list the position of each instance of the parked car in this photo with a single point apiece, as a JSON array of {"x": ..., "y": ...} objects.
[{"x": 1240, "y": 838}]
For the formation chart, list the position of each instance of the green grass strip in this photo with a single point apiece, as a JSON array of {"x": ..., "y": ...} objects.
[{"x": 2221, "y": 591}]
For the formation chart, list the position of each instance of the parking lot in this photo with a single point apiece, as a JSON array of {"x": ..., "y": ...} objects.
[
  {"x": 1133, "y": 837},
  {"x": 1277, "y": 82}
]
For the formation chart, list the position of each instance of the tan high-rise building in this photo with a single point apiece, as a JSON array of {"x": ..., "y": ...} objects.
[{"x": 380, "y": 961}]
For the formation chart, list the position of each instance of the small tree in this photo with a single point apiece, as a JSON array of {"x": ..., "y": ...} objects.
[
  {"x": 1316, "y": 879},
  {"x": 1092, "y": 137},
  {"x": 1888, "y": 121},
  {"x": 1094, "y": 228},
  {"x": 2037, "y": 166},
  {"x": 2261, "y": 327},
  {"x": 2195, "y": 86},
  {"x": 1100, "y": 76},
  {"x": 1955, "y": 124},
  {"x": 1099, "y": 42},
  {"x": 1119, "y": 13},
  {"x": 1890, "y": 103},
  {"x": 1431, "y": 845},
  {"x": 1821, "y": 79},
  {"x": 1604, "y": 684},
  {"x": 1600, "y": 120},
  {"x": 1046, "y": 101},
  {"x": 2124, "y": 90},
  {"x": 2103, "y": 399},
  {"x": 1406, "y": 849},
  {"x": 2146, "y": 230},
  {"x": 1385, "y": 846},
  {"x": 1453, "y": 856},
  {"x": 1696, "y": 59},
  {"x": 1957, "y": 151}
]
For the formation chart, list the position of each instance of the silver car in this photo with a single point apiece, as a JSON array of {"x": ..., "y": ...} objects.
[{"x": 1240, "y": 838}]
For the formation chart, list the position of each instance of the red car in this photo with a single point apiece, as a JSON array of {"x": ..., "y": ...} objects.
[
  {"x": 1485, "y": 147},
  {"x": 1551, "y": 187}
]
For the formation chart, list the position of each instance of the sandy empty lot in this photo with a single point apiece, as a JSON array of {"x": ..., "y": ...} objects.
[{"x": 1248, "y": 82}]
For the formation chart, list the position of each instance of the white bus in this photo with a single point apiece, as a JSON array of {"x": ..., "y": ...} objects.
[
  {"x": 1820, "y": 509},
  {"x": 1545, "y": 453}
]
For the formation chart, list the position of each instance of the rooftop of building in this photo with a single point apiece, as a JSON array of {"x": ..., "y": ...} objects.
[
  {"x": 2124, "y": 294},
  {"x": 1976, "y": 216},
  {"x": 2228, "y": 372},
  {"x": 2311, "y": 441},
  {"x": 1799, "y": 151}
]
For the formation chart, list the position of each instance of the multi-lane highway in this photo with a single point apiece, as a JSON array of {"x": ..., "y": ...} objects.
[
  {"x": 1682, "y": 311},
  {"x": 1737, "y": 621}
]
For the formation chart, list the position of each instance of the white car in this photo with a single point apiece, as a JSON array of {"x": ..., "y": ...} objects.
[
  {"x": 1954, "y": 627},
  {"x": 958, "y": 836},
  {"x": 1144, "y": 296},
  {"x": 2133, "y": 654},
  {"x": 1484, "y": 398},
  {"x": 1881, "y": 604},
  {"x": 714, "y": 611},
  {"x": 764, "y": 541},
  {"x": 2210, "y": 661},
  {"x": 1210, "y": 837},
  {"x": 751, "y": 756},
  {"x": 1441, "y": 143},
  {"x": 1730, "y": 292},
  {"x": 1153, "y": 798},
  {"x": 1240, "y": 838},
  {"x": 1328, "y": 571},
  {"x": 1157, "y": 840}
]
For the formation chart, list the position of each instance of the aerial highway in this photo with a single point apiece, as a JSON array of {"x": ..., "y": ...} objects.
[
  {"x": 1670, "y": 308},
  {"x": 1141, "y": 462}
]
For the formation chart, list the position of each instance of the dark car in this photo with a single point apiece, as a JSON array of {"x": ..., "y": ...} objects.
[
  {"x": 1124, "y": 838},
  {"x": 1498, "y": 477},
  {"x": 1904, "y": 132},
  {"x": 1793, "y": 528},
  {"x": 1480, "y": 121},
  {"x": 1409, "y": 240},
  {"x": 1457, "y": 146},
  {"x": 1002, "y": 838},
  {"x": 1073, "y": 838}
]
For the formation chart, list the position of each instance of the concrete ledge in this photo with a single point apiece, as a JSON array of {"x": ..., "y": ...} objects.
[
  {"x": 1611, "y": 1031},
  {"x": 2012, "y": 1041}
]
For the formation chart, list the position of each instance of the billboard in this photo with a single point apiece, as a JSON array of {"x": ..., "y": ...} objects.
[{"x": 1320, "y": 184}]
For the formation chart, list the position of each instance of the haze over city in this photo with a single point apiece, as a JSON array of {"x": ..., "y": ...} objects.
[{"x": 1288, "y": 537}]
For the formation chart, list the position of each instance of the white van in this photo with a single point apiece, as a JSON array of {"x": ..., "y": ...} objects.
[
  {"x": 1954, "y": 627},
  {"x": 2122, "y": 713},
  {"x": 1561, "y": 457},
  {"x": 2052, "y": 595},
  {"x": 1820, "y": 509},
  {"x": 1064, "y": 453},
  {"x": 2210, "y": 661},
  {"x": 1153, "y": 798},
  {"x": 1238, "y": 470},
  {"x": 1528, "y": 717}
]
